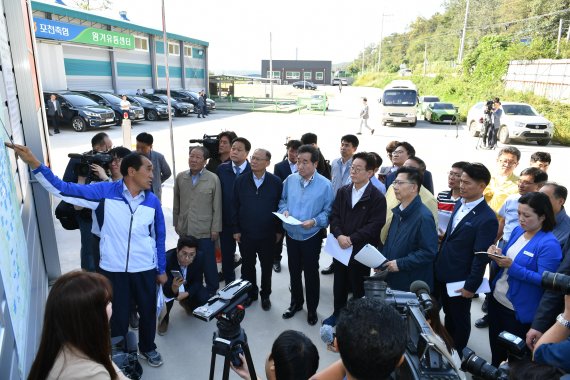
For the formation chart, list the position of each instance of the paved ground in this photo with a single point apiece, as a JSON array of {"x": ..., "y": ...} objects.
[{"x": 187, "y": 346}]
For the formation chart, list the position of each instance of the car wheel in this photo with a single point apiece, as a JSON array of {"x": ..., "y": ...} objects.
[
  {"x": 543, "y": 142},
  {"x": 474, "y": 129},
  {"x": 504, "y": 135},
  {"x": 430, "y": 119},
  {"x": 78, "y": 124},
  {"x": 413, "y": 124},
  {"x": 152, "y": 115}
]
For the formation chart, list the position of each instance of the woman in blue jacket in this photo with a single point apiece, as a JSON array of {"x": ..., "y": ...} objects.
[{"x": 531, "y": 250}]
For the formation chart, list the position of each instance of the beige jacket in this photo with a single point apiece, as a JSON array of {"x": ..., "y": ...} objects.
[
  {"x": 72, "y": 364},
  {"x": 197, "y": 210}
]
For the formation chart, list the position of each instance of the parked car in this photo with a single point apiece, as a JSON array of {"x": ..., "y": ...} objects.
[
  {"x": 180, "y": 108},
  {"x": 519, "y": 122},
  {"x": 112, "y": 101},
  {"x": 82, "y": 112},
  {"x": 188, "y": 97},
  {"x": 440, "y": 112},
  {"x": 305, "y": 84},
  {"x": 152, "y": 110},
  {"x": 424, "y": 101},
  {"x": 319, "y": 102},
  {"x": 336, "y": 81}
]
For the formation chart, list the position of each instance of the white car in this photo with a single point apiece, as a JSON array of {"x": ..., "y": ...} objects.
[{"x": 520, "y": 122}]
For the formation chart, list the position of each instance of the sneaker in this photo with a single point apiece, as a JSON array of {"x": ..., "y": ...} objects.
[
  {"x": 162, "y": 327},
  {"x": 134, "y": 320},
  {"x": 153, "y": 357}
]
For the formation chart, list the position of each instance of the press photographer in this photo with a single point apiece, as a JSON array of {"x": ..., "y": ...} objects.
[
  {"x": 219, "y": 147},
  {"x": 491, "y": 122}
]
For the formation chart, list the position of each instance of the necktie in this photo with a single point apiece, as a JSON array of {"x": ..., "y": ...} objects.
[{"x": 238, "y": 170}]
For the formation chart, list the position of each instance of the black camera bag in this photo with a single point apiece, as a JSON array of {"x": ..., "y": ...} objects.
[{"x": 65, "y": 213}]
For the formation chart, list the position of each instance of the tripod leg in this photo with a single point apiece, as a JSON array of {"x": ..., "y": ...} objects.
[
  {"x": 226, "y": 374},
  {"x": 212, "y": 364},
  {"x": 249, "y": 360}
]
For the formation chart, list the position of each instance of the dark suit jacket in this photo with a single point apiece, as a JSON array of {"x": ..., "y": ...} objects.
[
  {"x": 282, "y": 170},
  {"x": 194, "y": 274},
  {"x": 457, "y": 260},
  {"x": 427, "y": 182},
  {"x": 227, "y": 178},
  {"x": 53, "y": 110},
  {"x": 552, "y": 302}
]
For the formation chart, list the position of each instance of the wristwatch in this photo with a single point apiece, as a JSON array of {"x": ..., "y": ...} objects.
[{"x": 563, "y": 321}]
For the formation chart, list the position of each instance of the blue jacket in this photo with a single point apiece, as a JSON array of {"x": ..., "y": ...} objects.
[
  {"x": 254, "y": 206},
  {"x": 541, "y": 253},
  {"x": 412, "y": 242},
  {"x": 130, "y": 241},
  {"x": 456, "y": 260},
  {"x": 304, "y": 203},
  {"x": 227, "y": 178}
]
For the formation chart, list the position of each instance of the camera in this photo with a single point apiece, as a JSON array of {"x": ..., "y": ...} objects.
[
  {"x": 210, "y": 142},
  {"x": 556, "y": 281},
  {"x": 426, "y": 356},
  {"x": 488, "y": 110},
  {"x": 124, "y": 355},
  {"x": 83, "y": 168}
]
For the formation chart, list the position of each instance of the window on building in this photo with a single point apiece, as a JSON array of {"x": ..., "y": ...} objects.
[
  {"x": 319, "y": 75},
  {"x": 173, "y": 48},
  {"x": 292, "y": 75},
  {"x": 188, "y": 51},
  {"x": 307, "y": 75},
  {"x": 276, "y": 74},
  {"x": 141, "y": 43}
]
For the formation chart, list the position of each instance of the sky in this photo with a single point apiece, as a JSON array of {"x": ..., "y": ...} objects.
[{"x": 238, "y": 31}]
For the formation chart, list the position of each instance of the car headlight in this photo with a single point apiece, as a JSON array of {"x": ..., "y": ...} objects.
[
  {"x": 410, "y": 114},
  {"x": 92, "y": 114},
  {"x": 550, "y": 125},
  {"x": 519, "y": 124}
]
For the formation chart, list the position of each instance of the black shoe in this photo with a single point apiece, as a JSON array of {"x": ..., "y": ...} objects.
[
  {"x": 56, "y": 131},
  {"x": 277, "y": 267},
  {"x": 249, "y": 301},
  {"x": 328, "y": 270},
  {"x": 481, "y": 323},
  {"x": 485, "y": 306},
  {"x": 134, "y": 320},
  {"x": 312, "y": 318},
  {"x": 50, "y": 133},
  {"x": 291, "y": 311},
  {"x": 265, "y": 304}
]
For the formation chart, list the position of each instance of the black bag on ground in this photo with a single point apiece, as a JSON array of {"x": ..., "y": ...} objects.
[
  {"x": 124, "y": 354},
  {"x": 65, "y": 213}
]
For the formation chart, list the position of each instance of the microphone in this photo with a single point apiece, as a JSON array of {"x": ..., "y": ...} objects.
[
  {"x": 194, "y": 141},
  {"x": 421, "y": 290},
  {"x": 75, "y": 155},
  {"x": 327, "y": 334}
]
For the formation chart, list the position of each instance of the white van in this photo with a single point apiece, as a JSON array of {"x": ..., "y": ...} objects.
[{"x": 399, "y": 103}]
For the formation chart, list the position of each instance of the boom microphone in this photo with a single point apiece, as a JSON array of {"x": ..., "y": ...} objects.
[
  {"x": 421, "y": 290},
  {"x": 196, "y": 141},
  {"x": 75, "y": 155},
  {"x": 327, "y": 334}
]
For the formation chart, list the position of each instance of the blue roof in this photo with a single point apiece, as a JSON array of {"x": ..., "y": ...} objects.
[{"x": 74, "y": 13}]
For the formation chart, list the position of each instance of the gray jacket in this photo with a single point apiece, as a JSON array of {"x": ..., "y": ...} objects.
[
  {"x": 53, "y": 110},
  {"x": 160, "y": 169},
  {"x": 497, "y": 118}
]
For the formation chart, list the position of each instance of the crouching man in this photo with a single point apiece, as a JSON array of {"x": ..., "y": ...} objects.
[{"x": 187, "y": 287}]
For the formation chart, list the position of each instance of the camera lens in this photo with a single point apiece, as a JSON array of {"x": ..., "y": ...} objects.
[{"x": 556, "y": 281}]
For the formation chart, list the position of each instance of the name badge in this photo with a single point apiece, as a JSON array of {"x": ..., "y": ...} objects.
[{"x": 529, "y": 254}]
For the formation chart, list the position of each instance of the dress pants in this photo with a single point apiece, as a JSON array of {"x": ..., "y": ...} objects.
[
  {"x": 87, "y": 259},
  {"x": 228, "y": 245},
  {"x": 346, "y": 277},
  {"x": 502, "y": 319},
  {"x": 457, "y": 317},
  {"x": 189, "y": 303},
  {"x": 250, "y": 249},
  {"x": 278, "y": 250},
  {"x": 140, "y": 286},
  {"x": 303, "y": 256},
  {"x": 206, "y": 246}
]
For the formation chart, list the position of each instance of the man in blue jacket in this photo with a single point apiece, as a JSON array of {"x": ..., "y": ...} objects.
[
  {"x": 307, "y": 196},
  {"x": 133, "y": 235},
  {"x": 472, "y": 228},
  {"x": 256, "y": 229},
  {"x": 228, "y": 172}
]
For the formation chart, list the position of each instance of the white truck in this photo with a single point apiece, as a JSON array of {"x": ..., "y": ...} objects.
[{"x": 399, "y": 103}]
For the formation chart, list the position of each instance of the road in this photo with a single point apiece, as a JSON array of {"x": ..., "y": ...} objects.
[{"x": 186, "y": 347}]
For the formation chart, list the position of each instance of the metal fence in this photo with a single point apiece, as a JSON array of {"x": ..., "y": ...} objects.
[{"x": 549, "y": 78}]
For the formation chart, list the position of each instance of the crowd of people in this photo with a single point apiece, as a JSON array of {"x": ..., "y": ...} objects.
[{"x": 516, "y": 224}]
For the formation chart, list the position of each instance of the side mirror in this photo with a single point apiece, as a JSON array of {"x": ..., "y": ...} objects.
[{"x": 102, "y": 102}]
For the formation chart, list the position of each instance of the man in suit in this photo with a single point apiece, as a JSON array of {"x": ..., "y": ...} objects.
[
  {"x": 54, "y": 112},
  {"x": 161, "y": 169},
  {"x": 404, "y": 151},
  {"x": 187, "y": 289},
  {"x": 283, "y": 170},
  {"x": 472, "y": 228},
  {"x": 227, "y": 173}
]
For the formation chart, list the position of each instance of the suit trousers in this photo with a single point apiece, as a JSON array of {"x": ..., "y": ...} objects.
[
  {"x": 250, "y": 249},
  {"x": 206, "y": 246},
  {"x": 303, "y": 256},
  {"x": 87, "y": 260},
  {"x": 457, "y": 317},
  {"x": 228, "y": 245},
  {"x": 278, "y": 249},
  {"x": 140, "y": 286},
  {"x": 345, "y": 278}
]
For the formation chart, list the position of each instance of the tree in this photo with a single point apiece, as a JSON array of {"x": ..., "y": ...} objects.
[{"x": 92, "y": 5}]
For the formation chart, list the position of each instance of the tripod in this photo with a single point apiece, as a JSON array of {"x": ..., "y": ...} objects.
[
  {"x": 488, "y": 135},
  {"x": 229, "y": 341}
]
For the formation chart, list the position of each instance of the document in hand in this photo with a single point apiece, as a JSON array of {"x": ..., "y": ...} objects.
[
  {"x": 288, "y": 219},
  {"x": 370, "y": 256},
  {"x": 453, "y": 286},
  {"x": 333, "y": 248}
]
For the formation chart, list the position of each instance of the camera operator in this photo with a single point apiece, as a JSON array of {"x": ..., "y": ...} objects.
[
  {"x": 491, "y": 133},
  {"x": 293, "y": 356},
  {"x": 553, "y": 347},
  {"x": 224, "y": 147},
  {"x": 100, "y": 143},
  {"x": 371, "y": 338}
]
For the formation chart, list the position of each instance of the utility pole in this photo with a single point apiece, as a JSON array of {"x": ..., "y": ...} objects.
[
  {"x": 559, "y": 37},
  {"x": 363, "y": 47},
  {"x": 168, "y": 87},
  {"x": 381, "y": 37},
  {"x": 462, "y": 44},
  {"x": 270, "y": 65},
  {"x": 425, "y": 58}
]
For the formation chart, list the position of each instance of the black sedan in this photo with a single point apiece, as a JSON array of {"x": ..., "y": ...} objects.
[
  {"x": 152, "y": 110},
  {"x": 180, "y": 108},
  {"x": 305, "y": 84}
]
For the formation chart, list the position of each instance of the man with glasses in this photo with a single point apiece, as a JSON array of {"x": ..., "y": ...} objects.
[
  {"x": 307, "y": 196},
  {"x": 358, "y": 213},
  {"x": 558, "y": 194},
  {"x": 184, "y": 271},
  {"x": 447, "y": 199},
  {"x": 504, "y": 182},
  {"x": 256, "y": 229}
]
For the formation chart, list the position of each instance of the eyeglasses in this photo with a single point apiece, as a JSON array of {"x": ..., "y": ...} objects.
[
  {"x": 186, "y": 256},
  {"x": 254, "y": 158},
  {"x": 508, "y": 162},
  {"x": 398, "y": 182},
  {"x": 357, "y": 169}
]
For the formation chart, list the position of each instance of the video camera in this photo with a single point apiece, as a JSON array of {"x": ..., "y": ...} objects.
[
  {"x": 556, "y": 281},
  {"x": 488, "y": 109},
  {"x": 426, "y": 356},
  {"x": 83, "y": 168},
  {"x": 477, "y": 366},
  {"x": 210, "y": 142}
]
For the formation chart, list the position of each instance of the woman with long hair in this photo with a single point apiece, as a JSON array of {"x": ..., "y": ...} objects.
[{"x": 76, "y": 337}]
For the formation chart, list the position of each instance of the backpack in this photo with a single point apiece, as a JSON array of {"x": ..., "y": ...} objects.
[{"x": 65, "y": 213}]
